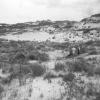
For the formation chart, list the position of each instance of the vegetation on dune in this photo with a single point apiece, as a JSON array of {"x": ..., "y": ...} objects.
[
  {"x": 97, "y": 70},
  {"x": 93, "y": 52},
  {"x": 96, "y": 15},
  {"x": 43, "y": 57},
  {"x": 81, "y": 65},
  {"x": 32, "y": 57},
  {"x": 78, "y": 66},
  {"x": 19, "y": 58},
  {"x": 14, "y": 60},
  {"x": 15, "y": 57},
  {"x": 38, "y": 56},
  {"x": 49, "y": 75},
  {"x": 59, "y": 67},
  {"x": 33, "y": 70},
  {"x": 68, "y": 77},
  {"x": 37, "y": 69},
  {"x": 1, "y": 89}
]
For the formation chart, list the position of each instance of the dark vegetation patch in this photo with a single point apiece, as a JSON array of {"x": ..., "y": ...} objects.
[
  {"x": 38, "y": 56},
  {"x": 43, "y": 57},
  {"x": 37, "y": 69},
  {"x": 58, "y": 46},
  {"x": 97, "y": 70},
  {"x": 92, "y": 43},
  {"x": 14, "y": 57},
  {"x": 18, "y": 58},
  {"x": 96, "y": 15},
  {"x": 1, "y": 90},
  {"x": 87, "y": 30},
  {"x": 88, "y": 66},
  {"x": 80, "y": 65},
  {"x": 93, "y": 52},
  {"x": 68, "y": 77},
  {"x": 24, "y": 50},
  {"x": 92, "y": 47},
  {"x": 59, "y": 67},
  {"x": 50, "y": 75}
]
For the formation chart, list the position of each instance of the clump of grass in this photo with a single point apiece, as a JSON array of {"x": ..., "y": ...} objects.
[
  {"x": 38, "y": 56},
  {"x": 37, "y": 69},
  {"x": 69, "y": 77},
  {"x": 59, "y": 67},
  {"x": 97, "y": 70},
  {"x": 25, "y": 70},
  {"x": 32, "y": 57},
  {"x": 49, "y": 75},
  {"x": 6, "y": 81},
  {"x": 93, "y": 52},
  {"x": 18, "y": 58},
  {"x": 43, "y": 57}
]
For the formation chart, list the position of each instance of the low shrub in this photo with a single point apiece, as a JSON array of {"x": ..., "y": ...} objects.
[
  {"x": 6, "y": 81},
  {"x": 86, "y": 30},
  {"x": 97, "y": 97},
  {"x": 97, "y": 70},
  {"x": 37, "y": 69},
  {"x": 43, "y": 57},
  {"x": 79, "y": 66},
  {"x": 59, "y": 67},
  {"x": 93, "y": 52},
  {"x": 32, "y": 57},
  {"x": 25, "y": 70},
  {"x": 83, "y": 49},
  {"x": 38, "y": 56},
  {"x": 49, "y": 75},
  {"x": 1, "y": 65},
  {"x": 69, "y": 77},
  {"x": 18, "y": 58}
]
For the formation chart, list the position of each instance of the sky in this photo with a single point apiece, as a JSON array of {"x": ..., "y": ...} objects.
[{"x": 14, "y": 11}]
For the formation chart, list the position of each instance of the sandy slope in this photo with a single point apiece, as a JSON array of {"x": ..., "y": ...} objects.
[
  {"x": 42, "y": 36},
  {"x": 39, "y": 89}
]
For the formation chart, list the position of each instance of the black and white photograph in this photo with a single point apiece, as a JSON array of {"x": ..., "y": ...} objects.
[{"x": 49, "y": 49}]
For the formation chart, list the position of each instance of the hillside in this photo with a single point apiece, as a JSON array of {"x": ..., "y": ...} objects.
[{"x": 86, "y": 29}]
